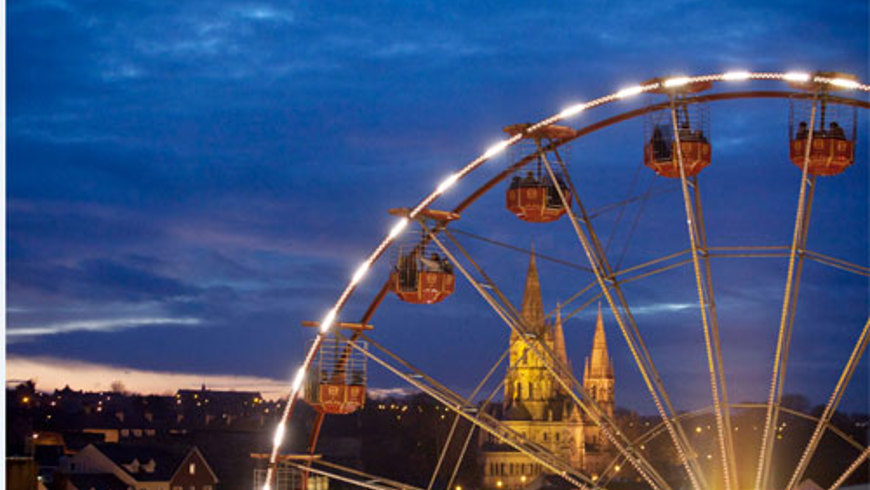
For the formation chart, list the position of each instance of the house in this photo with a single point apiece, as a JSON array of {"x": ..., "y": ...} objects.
[{"x": 141, "y": 467}]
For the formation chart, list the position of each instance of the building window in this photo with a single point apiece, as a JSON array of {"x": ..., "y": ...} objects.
[{"x": 192, "y": 469}]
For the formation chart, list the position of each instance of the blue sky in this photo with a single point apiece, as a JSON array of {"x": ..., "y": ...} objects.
[{"x": 187, "y": 181}]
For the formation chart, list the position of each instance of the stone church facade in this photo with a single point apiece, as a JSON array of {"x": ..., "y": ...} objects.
[{"x": 536, "y": 406}]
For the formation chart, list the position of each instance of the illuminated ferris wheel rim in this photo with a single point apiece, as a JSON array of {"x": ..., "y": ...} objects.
[
  {"x": 662, "y": 85},
  {"x": 497, "y": 148}
]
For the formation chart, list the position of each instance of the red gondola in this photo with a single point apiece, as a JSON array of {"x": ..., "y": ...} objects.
[
  {"x": 828, "y": 156},
  {"x": 422, "y": 280},
  {"x": 420, "y": 275},
  {"x": 336, "y": 381},
  {"x": 534, "y": 197},
  {"x": 834, "y": 130},
  {"x": 693, "y": 128},
  {"x": 696, "y": 156}
]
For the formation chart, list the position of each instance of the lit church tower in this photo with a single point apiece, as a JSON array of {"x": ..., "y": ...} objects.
[
  {"x": 529, "y": 386},
  {"x": 536, "y": 406},
  {"x": 598, "y": 373},
  {"x": 598, "y": 381}
]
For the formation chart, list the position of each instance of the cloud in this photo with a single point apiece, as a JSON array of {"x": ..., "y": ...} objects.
[
  {"x": 52, "y": 373},
  {"x": 104, "y": 325}
]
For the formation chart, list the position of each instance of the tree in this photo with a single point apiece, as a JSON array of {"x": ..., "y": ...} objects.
[{"x": 118, "y": 386}]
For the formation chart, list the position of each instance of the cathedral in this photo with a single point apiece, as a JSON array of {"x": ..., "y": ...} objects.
[{"x": 536, "y": 406}]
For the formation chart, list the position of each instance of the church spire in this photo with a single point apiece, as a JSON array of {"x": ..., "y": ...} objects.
[
  {"x": 598, "y": 364},
  {"x": 559, "y": 339},
  {"x": 533, "y": 305}
]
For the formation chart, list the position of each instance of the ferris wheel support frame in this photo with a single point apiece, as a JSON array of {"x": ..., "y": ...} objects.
[
  {"x": 461, "y": 406},
  {"x": 516, "y": 326},
  {"x": 327, "y": 323},
  {"x": 851, "y": 469},
  {"x": 831, "y": 406},
  {"x": 707, "y": 307},
  {"x": 603, "y": 275},
  {"x": 565, "y": 379},
  {"x": 653, "y": 432},
  {"x": 789, "y": 302}
]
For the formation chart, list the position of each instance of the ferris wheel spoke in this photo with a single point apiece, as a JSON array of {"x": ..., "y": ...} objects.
[
  {"x": 465, "y": 408},
  {"x": 483, "y": 407},
  {"x": 831, "y": 407},
  {"x": 851, "y": 469},
  {"x": 707, "y": 306},
  {"x": 604, "y": 276},
  {"x": 351, "y": 476},
  {"x": 792, "y": 285},
  {"x": 565, "y": 379},
  {"x": 838, "y": 263},
  {"x": 456, "y": 419}
]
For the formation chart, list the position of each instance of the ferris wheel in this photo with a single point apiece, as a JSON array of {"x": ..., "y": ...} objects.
[{"x": 542, "y": 170}]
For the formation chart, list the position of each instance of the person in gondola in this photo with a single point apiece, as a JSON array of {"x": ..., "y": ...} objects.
[
  {"x": 407, "y": 272},
  {"x": 660, "y": 147},
  {"x": 446, "y": 266},
  {"x": 836, "y": 131},
  {"x": 433, "y": 263},
  {"x": 515, "y": 182},
  {"x": 802, "y": 131},
  {"x": 529, "y": 180},
  {"x": 685, "y": 132},
  {"x": 553, "y": 199}
]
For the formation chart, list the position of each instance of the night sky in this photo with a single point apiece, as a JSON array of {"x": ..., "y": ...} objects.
[{"x": 187, "y": 181}]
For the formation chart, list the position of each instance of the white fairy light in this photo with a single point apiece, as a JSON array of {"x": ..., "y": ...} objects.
[
  {"x": 298, "y": 379},
  {"x": 844, "y": 83},
  {"x": 447, "y": 183},
  {"x": 327, "y": 321},
  {"x": 279, "y": 434},
  {"x": 496, "y": 149},
  {"x": 628, "y": 92},
  {"x": 398, "y": 228},
  {"x": 796, "y": 76},
  {"x": 572, "y": 110},
  {"x": 360, "y": 273},
  {"x": 736, "y": 75},
  {"x": 676, "y": 82}
]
